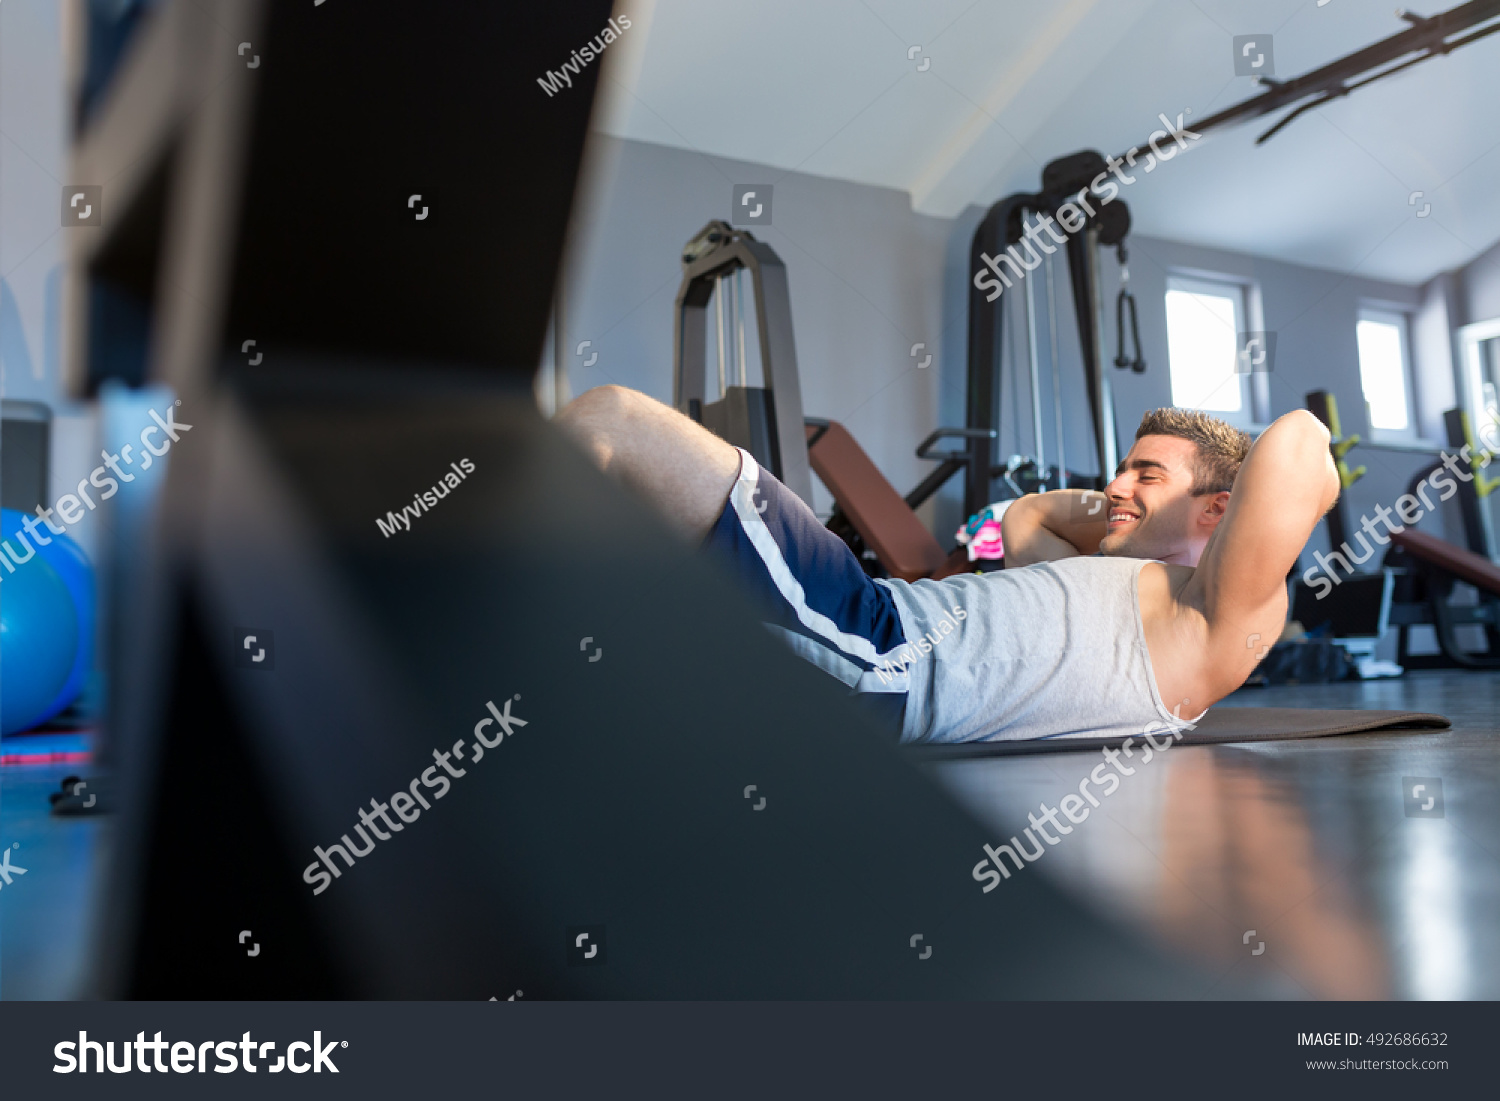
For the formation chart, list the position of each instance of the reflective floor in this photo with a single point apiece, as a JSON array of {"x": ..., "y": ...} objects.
[
  {"x": 45, "y": 912},
  {"x": 1308, "y": 867},
  {"x": 1315, "y": 866}
]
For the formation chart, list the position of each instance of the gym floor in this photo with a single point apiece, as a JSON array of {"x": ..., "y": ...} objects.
[
  {"x": 1305, "y": 847},
  {"x": 45, "y": 914}
]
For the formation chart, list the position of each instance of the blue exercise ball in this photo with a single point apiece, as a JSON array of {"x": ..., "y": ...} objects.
[
  {"x": 68, "y": 559},
  {"x": 39, "y": 637}
]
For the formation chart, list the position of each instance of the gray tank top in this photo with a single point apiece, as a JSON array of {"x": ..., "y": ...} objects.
[{"x": 1050, "y": 650}]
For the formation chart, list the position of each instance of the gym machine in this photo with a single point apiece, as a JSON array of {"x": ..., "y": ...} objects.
[
  {"x": 746, "y": 416},
  {"x": 753, "y": 417},
  {"x": 1069, "y": 177},
  {"x": 1427, "y": 567},
  {"x": 869, "y": 515},
  {"x": 1002, "y": 235},
  {"x": 1416, "y": 581},
  {"x": 750, "y": 419}
]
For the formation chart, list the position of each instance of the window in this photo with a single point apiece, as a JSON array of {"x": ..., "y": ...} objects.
[
  {"x": 1383, "y": 372},
  {"x": 1204, "y": 320}
]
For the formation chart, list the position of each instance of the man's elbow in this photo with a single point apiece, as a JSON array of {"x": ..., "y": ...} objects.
[
  {"x": 1307, "y": 427},
  {"x": 1014, "y": 526},
  {"x": 1303, "y": 441}
]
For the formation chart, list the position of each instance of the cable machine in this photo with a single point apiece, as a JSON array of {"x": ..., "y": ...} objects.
[
  {"x": 1071, "y": 178},
  {"x": 765, "y": 420},
  {"x": 1008, "y": 237},
  {"x": 1007, "y": 246}
]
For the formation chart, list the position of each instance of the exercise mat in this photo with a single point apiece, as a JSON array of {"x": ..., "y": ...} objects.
[{"x": 1224, "y": 724}]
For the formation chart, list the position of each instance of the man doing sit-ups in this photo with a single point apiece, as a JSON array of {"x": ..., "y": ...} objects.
[{"x": 1140, "y": 608}]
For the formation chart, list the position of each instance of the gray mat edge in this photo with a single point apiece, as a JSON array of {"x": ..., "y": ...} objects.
[{"x": 1370, "y": 722}]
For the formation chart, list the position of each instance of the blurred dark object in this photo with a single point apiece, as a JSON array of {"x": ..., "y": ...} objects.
[
  {"x": 24, "y": 443},
  {"x": 111, "y": 27},
  {"x": 392, "y": 348},
  {"x": 1313, "y": 659}
]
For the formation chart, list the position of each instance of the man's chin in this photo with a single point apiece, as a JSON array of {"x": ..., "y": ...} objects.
[
  {"x": 1128, "y": 544},
  {"x": 1122, "y": 544}
]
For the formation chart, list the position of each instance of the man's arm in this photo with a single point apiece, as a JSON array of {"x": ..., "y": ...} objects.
[
  {"x": 1043, "y": 527},
  {"x": 1286, "y": 484}
]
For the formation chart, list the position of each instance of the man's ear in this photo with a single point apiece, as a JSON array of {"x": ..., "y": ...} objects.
[{"x": 1214, "y": 507}]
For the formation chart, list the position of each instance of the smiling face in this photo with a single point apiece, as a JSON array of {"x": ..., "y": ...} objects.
[{"x": 1152, "y": 512}]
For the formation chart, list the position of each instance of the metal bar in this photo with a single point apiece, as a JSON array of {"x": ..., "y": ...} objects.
[
  {"x": 690, "y": 345},
  {"x": 1052, "y": 360},
  {"x": 986, "y": 328},
  {"x": 1040, "y": 447},
  {"x": 1083, "y": 269},
  {"x": 1106, "y": 410},
  {"x": 719, "y": 328},
  {"x": 778, "y": 358},
  {"x": 1427, "y": 37},
  {"x": 739, "y": 325},
  {"x": 933, "y": 482}
]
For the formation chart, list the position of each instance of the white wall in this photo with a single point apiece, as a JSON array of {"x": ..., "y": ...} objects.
[
  {"x": 1481, "y": 287},
  {"x": 33, "y": 164},
  {"x": 866, "y": 279},
  {"x": 34, "y": 137},
  {"x": 869, "y": 278}
]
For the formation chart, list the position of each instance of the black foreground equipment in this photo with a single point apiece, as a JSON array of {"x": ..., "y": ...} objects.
[{"x": 679, "y": 808}]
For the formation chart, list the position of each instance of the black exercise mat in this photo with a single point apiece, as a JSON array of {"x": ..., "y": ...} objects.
[{"x": 1227, "y": 724}]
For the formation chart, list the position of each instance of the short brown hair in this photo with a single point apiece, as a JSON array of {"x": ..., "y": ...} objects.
[{"x": 1221, "y": 447}]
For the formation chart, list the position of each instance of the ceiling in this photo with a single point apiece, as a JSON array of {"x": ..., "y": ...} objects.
[{"x": 826, "y": 87}]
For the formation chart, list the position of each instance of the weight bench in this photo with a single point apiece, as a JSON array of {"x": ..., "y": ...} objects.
[
  {"x": 1440, "y": 564},
  {"x": 870, "y": 507}
]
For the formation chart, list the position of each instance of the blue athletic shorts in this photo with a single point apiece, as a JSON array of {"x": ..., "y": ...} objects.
[{"x": 808, "y": 587}]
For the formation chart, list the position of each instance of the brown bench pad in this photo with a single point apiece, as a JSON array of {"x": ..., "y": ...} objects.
[
  {"x": 1476, "y": 569},
  {"x": 904, "y": 546}
]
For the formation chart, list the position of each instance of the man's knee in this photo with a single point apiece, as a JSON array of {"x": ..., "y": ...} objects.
[
  {"x": 602, "y": 404},
  {"x": 596, "y": 417}
]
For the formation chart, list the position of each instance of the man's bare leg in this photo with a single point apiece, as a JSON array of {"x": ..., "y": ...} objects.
[{"x": 675, "y": 464}]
